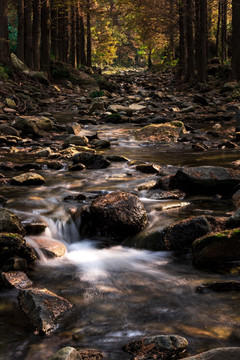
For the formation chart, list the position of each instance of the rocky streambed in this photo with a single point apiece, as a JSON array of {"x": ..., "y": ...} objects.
[{"x": 119, "y": 220}]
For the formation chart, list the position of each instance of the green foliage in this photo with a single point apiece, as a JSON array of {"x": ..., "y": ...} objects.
[
  {"x": 96, "y": 94},
  {"x": 5, "y": 72}
]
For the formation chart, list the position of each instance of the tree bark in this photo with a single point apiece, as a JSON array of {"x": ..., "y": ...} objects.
[
  {"x": 236, "y": 39},
  {"x": 190, "y": 41},
  {"x": 36, "y": 33},
  {"x": 20, "y": 39},
  {"x": 182, "y": 66},
  {"x": 45, "y": 41},
  {"x": 73, "y": 36},
  {"x": 28, "y": 56},
  {"x": 89, "y": 36},
  {"x": 54, "y": 30},
  {"x": 224, "y": 31},
  {"x": 218, "y": 28},
  {"x": 202, "y": 65}
]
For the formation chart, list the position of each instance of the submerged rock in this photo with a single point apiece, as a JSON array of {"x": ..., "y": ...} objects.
[
  {"x": 43, "y": 308},
  {"x": 157, "y": 347},
  {"x": 10, "y": 223},
  {"x": 206, "y": 180},
  {"x": 217, "y": 249},
  {"x": 91, "y": 161},
  {"x": 115, "y": 215},
  {"x": 231, "y": 285},
  {"x": 70, "y": 353},
  {"x": 27, "y": 179},
  {"x": 224, "y": 353}
]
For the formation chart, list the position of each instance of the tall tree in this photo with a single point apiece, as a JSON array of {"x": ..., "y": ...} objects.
[
  {"x": 20, "y": 39},
  {"x": 28, "y": 33},
  {"x": 89, "y": 35},
  {"x": 36, "y": 33},
  {"x": 4, "y": 44},
  {"x": 236, "y": 39},
  {"x": 45, "y": 41},
  {"x": 190, "y": 40},
  {"x": 80, "y": 35}
]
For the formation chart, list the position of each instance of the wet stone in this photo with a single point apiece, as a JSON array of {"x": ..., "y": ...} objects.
[
  {"x": 27, "y": 179},
  {"x": 157, "y": 347},
  {"x": 16, "y": 279},
  {"x": 43, "y": 308}
]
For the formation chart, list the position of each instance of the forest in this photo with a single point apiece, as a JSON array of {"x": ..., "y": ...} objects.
[
  {"x": 137, "y": 33},
  {"x": 119, "y": 179}
]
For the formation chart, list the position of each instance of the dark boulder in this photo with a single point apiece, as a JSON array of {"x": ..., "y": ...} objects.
[
  {"x": 14, "y": 245},
  {"x": 217, "y": 250},
  {"x": 10, "y": 223},
  {"x": 91, "y": 161},
  {"x": 116, "y": 215},
  {"x": 206, "y": 180}
]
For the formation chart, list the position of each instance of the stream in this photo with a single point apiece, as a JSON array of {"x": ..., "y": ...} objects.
[{"x": 120, "y": 293}]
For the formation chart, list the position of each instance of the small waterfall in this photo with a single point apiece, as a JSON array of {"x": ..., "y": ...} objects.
[{"x": 63, "y": 230}]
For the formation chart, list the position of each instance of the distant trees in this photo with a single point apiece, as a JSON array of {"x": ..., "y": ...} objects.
[
  {"x": 236, "y": 39},
  {"x": 4, "y": 43},
  {"x": 149, "y": 32}
]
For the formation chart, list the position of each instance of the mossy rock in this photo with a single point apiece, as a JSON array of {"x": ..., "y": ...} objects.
[
  {"x": 215, "y": 249},
  {"x": 161, "y": 132},
  {"x": 9, "y": 222},
  {"x": 12, "y": 245}
]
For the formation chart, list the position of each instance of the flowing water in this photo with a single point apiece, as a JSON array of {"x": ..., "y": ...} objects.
[{"x": 120, "y": 293}]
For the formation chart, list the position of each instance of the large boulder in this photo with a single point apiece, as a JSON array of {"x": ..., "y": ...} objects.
[
  {"x": 10, "y": 223},
  {"x": 177, "y": 237},
  {"x": 43, "y": 308},
  {"x": 206, "y": 180},
  {"x": 91, "y": 161},
  {"x": 37, "y": 126},
  {"x": 160, "y": 132},
  {"x": 217, "y": 249},
  {"x": 60, "y": 70},
  {"x": 18, "y": 64},
  {"x": 12, "y": 245},
  {"x": 224, "y": 353},
  {"x": 157, "y": 347},
  {"x": 116, "y": 215},
  {"x": 27, "y": 179}
]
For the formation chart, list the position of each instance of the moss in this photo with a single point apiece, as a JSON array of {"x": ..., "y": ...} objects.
[
  {"x": 178, "y": 124},
  {"x": 96, "y": 94}
]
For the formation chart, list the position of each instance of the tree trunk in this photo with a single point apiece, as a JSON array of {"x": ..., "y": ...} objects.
[
  {"x": 224, "y": 31},
  {"x": 236, "y": 39},
  {"x": 73, "y": 36},
  {"x": 54, "y": 30},
  {"x": 218, "y": 28},
  {"x": 80, "y": 34},
  {"x": 182, "y": 65},
  {"x": 45, "y": 41},
  {"x": 20, "y": 39},
  {"x": 28, "y": 56},
  {"x": 150, "y": 59},
  {"x": 36, "y": 33},
  {"x": 4, "y": 44},
  {"x": 202, "y": 65},
  {"x": 89, "y": 36},
  {"x": 190, "y": 41}
]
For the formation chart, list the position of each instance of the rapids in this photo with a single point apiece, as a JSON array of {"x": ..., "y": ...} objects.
[{"x": 119, "y": 293}]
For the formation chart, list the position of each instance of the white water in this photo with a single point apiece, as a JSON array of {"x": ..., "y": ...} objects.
[{"x": 94, "y": 264}]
